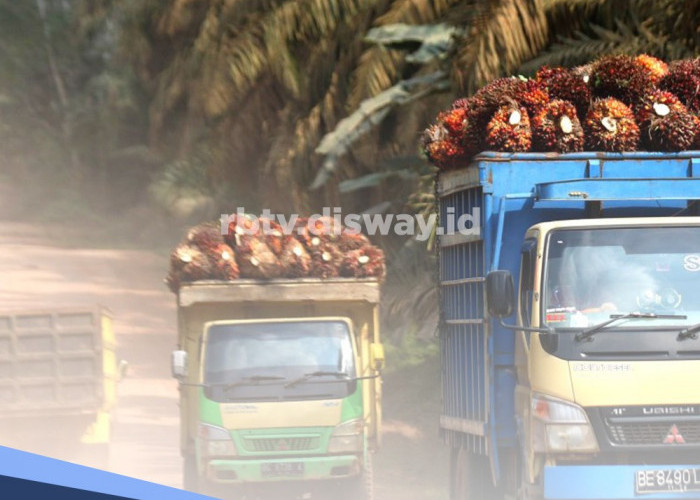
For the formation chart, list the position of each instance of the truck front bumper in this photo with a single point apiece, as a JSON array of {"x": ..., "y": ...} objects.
[
  {"x": 226, "y": 471},
  {"x": 621, "y": 482}
]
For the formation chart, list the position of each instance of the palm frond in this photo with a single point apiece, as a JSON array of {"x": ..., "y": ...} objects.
[
  {"x": 632, "y": 38},
  {"x": 370, "y": 113},
  {"x": 504, "y": 35},
  {"x": 379, "y": 68}
]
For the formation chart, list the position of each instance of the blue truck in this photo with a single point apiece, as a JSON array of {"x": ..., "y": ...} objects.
[{"x": 569, "y": 321}]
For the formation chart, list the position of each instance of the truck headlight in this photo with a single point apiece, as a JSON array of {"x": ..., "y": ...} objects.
[
  {"x": 347, "y": 438},
  {"x": 560, "y": 426},
  {"x": 215, "y": 441}
]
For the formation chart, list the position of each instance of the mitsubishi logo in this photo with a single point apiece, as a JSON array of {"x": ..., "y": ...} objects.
[
  {"x": 673, "y": 436},
  {"x": 283, "y": 445}
]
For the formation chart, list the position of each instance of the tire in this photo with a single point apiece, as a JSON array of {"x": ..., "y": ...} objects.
[
  {"x": 470, "y": 476},
  {"x": 190, "y": 475},
  {"x": 524, "y": 490}
]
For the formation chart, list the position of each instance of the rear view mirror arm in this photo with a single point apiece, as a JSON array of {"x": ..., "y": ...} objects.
[{"x": 547, "y": 330}]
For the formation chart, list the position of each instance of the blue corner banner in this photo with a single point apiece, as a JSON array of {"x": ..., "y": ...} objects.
[{"x": 26, "y": 475}]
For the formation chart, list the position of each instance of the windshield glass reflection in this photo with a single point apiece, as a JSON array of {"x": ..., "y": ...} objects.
[
  {"x": 255, "y": 361},
  {"x": 593, "y": 273}
]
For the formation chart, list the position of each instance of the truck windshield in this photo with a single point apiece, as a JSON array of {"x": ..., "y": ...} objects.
[
  {"x": 255, "y": 361},
  {"x": 591, "y": 274}
]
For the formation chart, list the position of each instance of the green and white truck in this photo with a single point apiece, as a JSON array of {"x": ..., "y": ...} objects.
[{"x": 279, "y": 385}]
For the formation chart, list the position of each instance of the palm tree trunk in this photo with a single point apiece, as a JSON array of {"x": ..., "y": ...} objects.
[{"x": 60, "y": 86}]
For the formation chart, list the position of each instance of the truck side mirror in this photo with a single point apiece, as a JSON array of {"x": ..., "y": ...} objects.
[
  {"x": 122, "y": 369},
  {"x": 377, "y": 356},
  {"x": 179, "y": 364},
  {"x": 500, "y": 295}
]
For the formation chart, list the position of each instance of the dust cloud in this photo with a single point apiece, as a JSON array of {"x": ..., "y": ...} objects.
[{"x": 38, "y": 270}]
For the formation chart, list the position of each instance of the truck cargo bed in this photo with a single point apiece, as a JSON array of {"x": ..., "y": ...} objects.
[
  {"x": 280, "y": 290},
  {"x": 55, "y": 361}
]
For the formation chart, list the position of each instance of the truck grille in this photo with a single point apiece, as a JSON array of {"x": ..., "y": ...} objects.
[
  {"x": 653, "y": 433},
  {"x": 282, "y": 444}
]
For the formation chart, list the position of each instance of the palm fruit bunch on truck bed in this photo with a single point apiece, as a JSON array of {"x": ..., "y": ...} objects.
[
  {"x": 255, "y": 257},
  {"x": 203, "y": 255},
  {"x": 258, "y": 248},
  {"x": 556, "y": 128},
  {"x": 610, "y": 126},
  {"x": 665, "y": 123},
  {"x": 611, "y": 104}
]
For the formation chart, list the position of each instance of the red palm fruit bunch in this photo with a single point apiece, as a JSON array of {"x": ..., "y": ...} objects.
[
  {"x": 351, "y": 240},
  {"x": 462, "y": 128},
  {"x": 187, "y": 264},
  {"x": 257, "y": 261},
  {"x": 564, "y": 84},
  {"x": 656, "y": 68},
  {"x": 301, "y": 230},
  {"x": 621, "y": 77},
  {"x": 665, "y": 124},
  {"x": 484, "y": 103},
  {"x": 439, "y": 149},
  {"x": 655, "y": 103},
  {"x": 610, "y": 126},
  {"x": 254, "y": 257},
  {"x": 583, "y": 72},
  {"x": 509, "y": 129},
  {"x": 367, "y": 262},
  {"x": 530, "y": 94},
  {"x": 677, "y": 131},
  {"x": 224, "y": 261},
  {"x": 294, "y": 259},
  {"x": 683, "y": 80},
  {"x": 272, "y": 233},
  {"x": 450, "y": 141},
  {"x": 557, "y": 128},
  {"x": 205, "y": 236},
  {"x": 325, "y": 258},
  {"x": 324, "y": 228},
  {"x": 241, "y": 229}
]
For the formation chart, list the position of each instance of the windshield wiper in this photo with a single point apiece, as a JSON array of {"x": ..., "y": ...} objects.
[
  {"x": 689, "y": 332},
  {"x": 311, "y": 375},
  {"x": 590, "y": 331},
  {"x": 250, "y": 380}
]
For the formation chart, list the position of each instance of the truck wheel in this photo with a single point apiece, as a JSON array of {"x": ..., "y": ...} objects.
[
  {"x": 470, "y": 476},
  {"x": 190, "y": 476},
  {"x": 524, "y": 489}
]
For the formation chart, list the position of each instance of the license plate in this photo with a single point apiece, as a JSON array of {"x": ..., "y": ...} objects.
[
  {"x": 666, "y": 481},
  {"x": 283, "y": 469}
]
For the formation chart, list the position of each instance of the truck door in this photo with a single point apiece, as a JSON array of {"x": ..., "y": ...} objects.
[{"x": 526, "y": 292}]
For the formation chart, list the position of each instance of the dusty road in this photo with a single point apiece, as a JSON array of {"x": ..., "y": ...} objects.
[{"x": 35, "y": 272}]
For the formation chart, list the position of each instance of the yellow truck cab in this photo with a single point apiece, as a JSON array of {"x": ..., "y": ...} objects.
[
  {"x": 618, "y": 295},
  {"x": 279, "y": 385}
]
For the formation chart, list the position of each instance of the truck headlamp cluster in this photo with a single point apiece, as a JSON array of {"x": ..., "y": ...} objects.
[
  {"x": 215, "y": 441},
  {"x": 347, "y": 438},
  {"x": 560, "y": 426}
]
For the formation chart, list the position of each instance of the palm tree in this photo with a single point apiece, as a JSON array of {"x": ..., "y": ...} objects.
[{"x": 250, "y": 89}]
